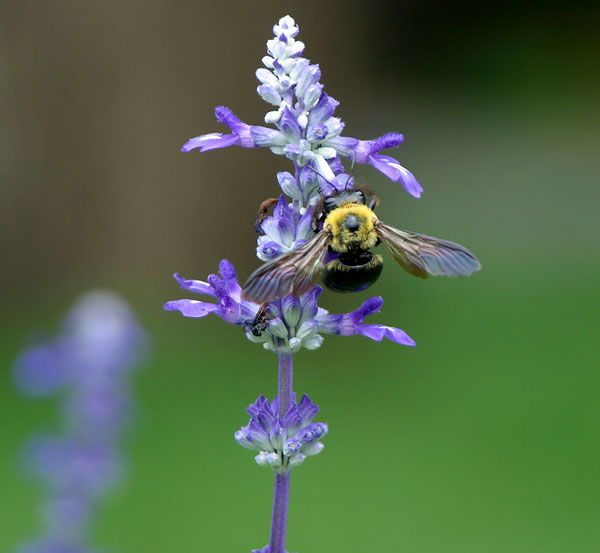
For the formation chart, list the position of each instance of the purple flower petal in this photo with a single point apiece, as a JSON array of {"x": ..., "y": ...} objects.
[
  {"x": 344, "y": 145},
  {"x": 193, "y": 308},
  {"x": 263, "y": 137},
  {"x": 304, "y": 227},
  {"x": 269, "y": 249},
  {"x": 211, "y": 141},
  {"x": 309, "y": 77},
  {"x": 378, "y": 332},
  {"x": 229, "y": 275},
  {"x": 388, "y": 140},
  {"x": 369, "y": 307},
  {"x": 289, "y": 126},
  {"x": 196, "y": 286},
  {"x": 227, "y": 117},
  {"x": 348, "y": 324},
  {"x": 307, "y": 409},
  {"x": 324, "y": 109},
  {"x": 392, "y": 169}
]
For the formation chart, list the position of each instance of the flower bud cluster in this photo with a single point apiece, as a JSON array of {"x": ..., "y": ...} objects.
[{"x": 283, "y": 443}]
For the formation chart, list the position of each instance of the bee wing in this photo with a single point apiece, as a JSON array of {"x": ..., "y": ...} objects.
[
  {"x": 422, "y": 255},
  {"x": 292, "y": 273}
]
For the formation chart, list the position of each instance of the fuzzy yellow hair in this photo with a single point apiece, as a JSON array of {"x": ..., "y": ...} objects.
[{"x": 342, "y": 239}]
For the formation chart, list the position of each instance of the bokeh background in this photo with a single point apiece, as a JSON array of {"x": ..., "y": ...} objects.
[{"x": 482, "y": 439}]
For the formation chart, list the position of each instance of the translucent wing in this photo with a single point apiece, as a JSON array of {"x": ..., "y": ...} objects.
[
  {"x": 293, "y": 273},
  {"x": 424, "y": 255}
]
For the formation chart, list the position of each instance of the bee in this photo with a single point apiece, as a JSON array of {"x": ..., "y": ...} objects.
[{"x": 346, "y": 229}]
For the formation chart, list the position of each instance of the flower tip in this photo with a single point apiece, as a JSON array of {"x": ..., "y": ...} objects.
[
  {"x": 189, "y": 146},
  {"x": 412, "y": 186},
  {"x": 222, "y": 112},
  {"x": 400, "y": 337},
  {"x": 227, "y": 269},
  {"x": 179, "y": 279},
  {"x": 408, "y": 341}
]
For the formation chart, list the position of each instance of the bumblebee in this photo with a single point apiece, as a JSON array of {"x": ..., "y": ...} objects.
[{"x": 346, "y": 229}]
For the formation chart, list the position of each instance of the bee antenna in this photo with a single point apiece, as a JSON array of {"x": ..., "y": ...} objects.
[
  {"x": 351, "y": 169},
  {"x": 319, "y": 174}
]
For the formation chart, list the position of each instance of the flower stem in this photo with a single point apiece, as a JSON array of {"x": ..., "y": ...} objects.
[
  {"x": 281, "y": 498},
  {"x": 281, "y": 494},
  {"x": 286, "y": 378}
]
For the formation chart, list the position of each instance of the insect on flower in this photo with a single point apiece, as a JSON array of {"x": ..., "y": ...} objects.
[
  {"x": 346, "y": 229},
  {"x": 260, "y": 323}
]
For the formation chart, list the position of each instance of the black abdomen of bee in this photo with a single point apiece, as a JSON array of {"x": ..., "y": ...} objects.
[{"x": 352, "y": 271}]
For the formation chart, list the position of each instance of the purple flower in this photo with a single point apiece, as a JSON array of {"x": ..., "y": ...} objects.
[
  {"x": 352, "y": 323},
  {"x": 284, "y": 231},
  {"x": 285, "y": 442},
  {"x": 306, "y": 130},
  {"x": 286, "y": 328},
  {"x": 225, "y": 289},
  {"x": 367, "y": 152},
  {"x": 291, "y": 323},
  {"x": 242, "y": 135}
]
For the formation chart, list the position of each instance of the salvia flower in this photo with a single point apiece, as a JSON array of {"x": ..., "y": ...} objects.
[
  {"x": 306, "y": 130},
  {"x": 90, "y": 365},
  {"x": 308, "y": 133},
  {"x": 302, "y": 126},
  {"x": 283, "y": 443},
  {"x": 291, "y": 323}
]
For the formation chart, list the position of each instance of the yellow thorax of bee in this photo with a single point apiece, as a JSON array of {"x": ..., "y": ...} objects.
[{"x": 343, "y": 239}]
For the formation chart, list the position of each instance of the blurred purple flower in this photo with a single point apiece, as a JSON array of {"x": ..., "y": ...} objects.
[{"x": 89, "y": 363}]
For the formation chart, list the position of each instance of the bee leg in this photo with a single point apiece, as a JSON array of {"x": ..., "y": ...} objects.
[
  {"x": 318, "y": 214},
  {"x": 262, "y": 213}
]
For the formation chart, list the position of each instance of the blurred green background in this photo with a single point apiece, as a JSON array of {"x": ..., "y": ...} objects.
[{"x": 483, "y": 438}]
